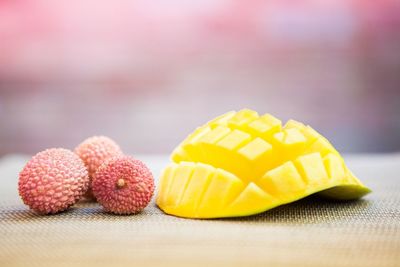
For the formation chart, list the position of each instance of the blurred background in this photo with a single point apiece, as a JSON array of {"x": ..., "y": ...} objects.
[{"x": 146, "y": 73}]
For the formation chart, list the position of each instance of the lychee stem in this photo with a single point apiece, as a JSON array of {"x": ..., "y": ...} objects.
[{"x": 120, "y": 183}]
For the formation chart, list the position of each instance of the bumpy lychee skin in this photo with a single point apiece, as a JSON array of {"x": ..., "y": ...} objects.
[
  {"x": 94, "y": 151},
  {"x": 53, "y": 180},
  {"x": 123, "y": 185}
]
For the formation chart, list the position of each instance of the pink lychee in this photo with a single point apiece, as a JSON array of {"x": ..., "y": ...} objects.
[
  {"x": 94, "y": 151},
  {"x": 123, "y": 185},
  {"x": 53, "y": 180}
]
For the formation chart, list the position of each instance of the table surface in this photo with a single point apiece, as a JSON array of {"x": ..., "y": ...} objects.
[{"x": 309, "y": 232}]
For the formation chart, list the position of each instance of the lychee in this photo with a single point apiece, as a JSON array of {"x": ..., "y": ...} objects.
[
  {"x": 94, "y": 151},
  {"x": 53, "y": 180},
  {"x": 123, "y": 185}
]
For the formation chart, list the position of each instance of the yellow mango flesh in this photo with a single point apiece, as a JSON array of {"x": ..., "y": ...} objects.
[{"x": 242, "y": 164}]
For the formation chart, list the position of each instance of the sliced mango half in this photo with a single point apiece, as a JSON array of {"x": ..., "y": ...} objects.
[{"x": 242, "y": 164}]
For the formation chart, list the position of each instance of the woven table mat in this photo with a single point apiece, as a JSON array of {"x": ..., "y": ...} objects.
[{"x": 310, "y": 232}]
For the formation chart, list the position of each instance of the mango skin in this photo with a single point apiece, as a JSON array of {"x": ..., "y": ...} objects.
[{"x": 241, "y": 164}]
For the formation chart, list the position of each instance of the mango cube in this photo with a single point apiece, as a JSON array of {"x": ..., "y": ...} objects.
[{"x": 242, "y": 164}]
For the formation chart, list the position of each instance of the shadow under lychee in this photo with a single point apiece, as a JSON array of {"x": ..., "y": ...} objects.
[{"x": 83, "y": 210}]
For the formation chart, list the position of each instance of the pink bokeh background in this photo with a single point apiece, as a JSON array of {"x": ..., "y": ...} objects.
[{"x": 147, "y": 73}]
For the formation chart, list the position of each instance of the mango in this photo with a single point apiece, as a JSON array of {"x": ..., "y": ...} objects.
[{"x": 241, "y": 164}]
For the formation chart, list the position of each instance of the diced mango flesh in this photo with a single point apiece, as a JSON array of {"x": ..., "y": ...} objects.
[{"x": 241, "y": 164}]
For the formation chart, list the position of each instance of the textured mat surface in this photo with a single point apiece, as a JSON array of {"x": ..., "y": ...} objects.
[{"x": 310, "y": 232}]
